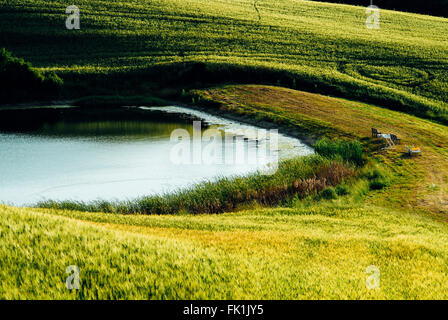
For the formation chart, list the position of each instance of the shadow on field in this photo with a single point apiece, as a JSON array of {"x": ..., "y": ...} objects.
[{"x": 171, "y": 81}]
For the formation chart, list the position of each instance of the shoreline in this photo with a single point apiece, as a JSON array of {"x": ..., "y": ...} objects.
[{"x": 305, "y": 138}]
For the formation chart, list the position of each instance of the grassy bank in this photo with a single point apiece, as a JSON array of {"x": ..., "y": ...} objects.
[
  {"x": 301, "y": 177},
  {"x": 138, "y": 48},
  {"x": 421, "y": 183}
]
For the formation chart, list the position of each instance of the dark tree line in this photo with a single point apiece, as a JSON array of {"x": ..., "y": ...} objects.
[{"x": 20, "y": 82}]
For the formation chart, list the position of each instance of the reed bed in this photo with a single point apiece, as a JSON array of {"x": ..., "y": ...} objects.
[{"x": 299, "y": 177}]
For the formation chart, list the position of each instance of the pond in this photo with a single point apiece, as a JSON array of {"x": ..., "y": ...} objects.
[{"x": 65, "y": 153}]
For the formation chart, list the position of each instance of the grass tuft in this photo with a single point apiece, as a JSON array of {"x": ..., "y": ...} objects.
[
  {"x": 350, "y": 151},
  {"x": 378, "y": 177}
]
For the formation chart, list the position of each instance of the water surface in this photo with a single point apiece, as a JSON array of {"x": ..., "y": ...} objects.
[{"x": 71, "y": 154}]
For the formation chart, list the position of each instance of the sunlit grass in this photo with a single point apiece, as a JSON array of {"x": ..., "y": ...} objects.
[
  {"x": 315, "y": 248},
  {"x": 314, "y": 252},
  {"x": 319, "y": 46}
]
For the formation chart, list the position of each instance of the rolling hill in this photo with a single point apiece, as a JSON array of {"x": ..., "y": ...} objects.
[
  {"x": 314, "y": 46},
  {"x": 431, "y": 7},
  {"x": 306, "y": 67}
]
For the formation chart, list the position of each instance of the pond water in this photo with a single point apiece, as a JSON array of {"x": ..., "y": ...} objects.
[{"x": 73, "y": 154}]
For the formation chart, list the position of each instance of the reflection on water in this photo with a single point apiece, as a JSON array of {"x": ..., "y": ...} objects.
[
  {"x": 76, "y": 155},
  {"x": 112, "y": 129}
]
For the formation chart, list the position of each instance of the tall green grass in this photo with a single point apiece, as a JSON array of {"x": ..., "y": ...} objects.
[
  {"x": 319, "y": 251},
  {"x": 378, "y": 177},
  {"x": 297, "y": 177},
  {"x": 350, "y": 151}
]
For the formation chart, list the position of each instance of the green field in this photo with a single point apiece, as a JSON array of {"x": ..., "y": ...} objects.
[
  {"x": 320, "y": 47},
  {"x": 432, "y": 7},
  {"x": 309, "y": 68},
  {"x": 316, "y": 252}
]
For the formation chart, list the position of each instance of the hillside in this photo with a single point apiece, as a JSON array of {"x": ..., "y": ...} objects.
[
  {"x": 431, "y": 7},
  {"x": 313, "y": 46},
  {"x": 421, "y": 183},
  {"x": 308, "y": 68}
]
